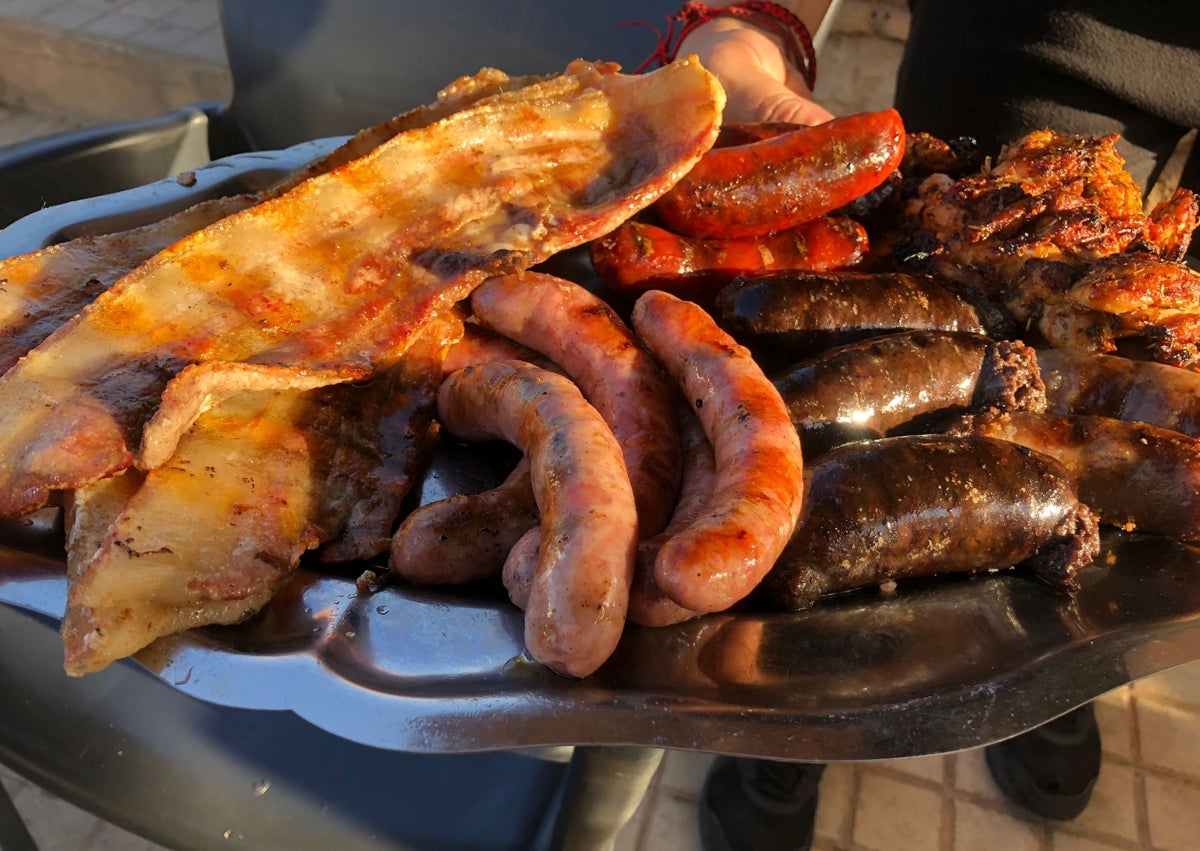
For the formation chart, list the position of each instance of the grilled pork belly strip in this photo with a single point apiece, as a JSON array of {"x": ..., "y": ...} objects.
[
  {"x": 41, "y": 290},
  {"x": 343, "y": 269},
  {"x": 207, "y": 538},
  {"x": 260, "y": 476}
]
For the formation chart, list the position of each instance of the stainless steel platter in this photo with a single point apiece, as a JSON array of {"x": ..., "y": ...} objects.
[{"x": 935, "y": 666}]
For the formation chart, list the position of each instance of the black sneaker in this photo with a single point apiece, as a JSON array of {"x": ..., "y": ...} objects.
[
  {"x": 759, "y": 805},
  {"x": 1052, "y": 769}
]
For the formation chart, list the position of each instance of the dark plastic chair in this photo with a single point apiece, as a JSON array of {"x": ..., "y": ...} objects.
[{"x": 192, "y": 775}]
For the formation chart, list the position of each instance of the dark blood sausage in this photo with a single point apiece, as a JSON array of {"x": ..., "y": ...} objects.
[
  {"x": 780, "y": 182},
  {"x": 872, "y": 387},
  {"x": 723, "y": 554},
  {"x": 637, "y": 257},
  {"x": 797, "y": 315},
  {"x": 580, "y": 591},
  {"x": 1133, "y": 475},
  {"x": 898, "y": 507},
  {"x": 1113, "y": 386}
]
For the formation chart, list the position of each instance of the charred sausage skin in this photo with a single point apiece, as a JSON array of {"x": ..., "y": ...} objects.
[
  {"x": 580, "y": 593},
  {"x": 796, "y": 315},
  {"x": 873, "y": 387},
  {"x": 727, "y": 550},
  {"x": 648, "y": 605},
  {"x": 781, "y": 181},
  {"x": 585, "y": 337},
  {"x": 899, "y": 507},
  {"x": 1133, "y": 475},
  {"x": 637, "y": 256}
]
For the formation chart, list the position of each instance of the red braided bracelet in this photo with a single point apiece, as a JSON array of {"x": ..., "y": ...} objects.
[{"x": 797, "y": 42}]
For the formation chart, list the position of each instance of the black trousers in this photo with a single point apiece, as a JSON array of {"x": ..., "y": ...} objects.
[{"x": 998, "y": 70}]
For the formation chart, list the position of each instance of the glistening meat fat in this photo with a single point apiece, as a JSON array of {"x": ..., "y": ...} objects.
[{"x": 343, "y": 269}]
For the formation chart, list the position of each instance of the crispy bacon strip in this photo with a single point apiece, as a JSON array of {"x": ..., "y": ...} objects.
[{"x": 343, "y": 269}]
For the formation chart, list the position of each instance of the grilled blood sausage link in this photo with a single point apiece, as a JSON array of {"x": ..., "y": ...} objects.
[
  {"x": 780, "y": 182},
  {"x": 797, "y": 315},
  {"x": 637, "y": 257},
  {"x": 465, "y": 538},
  {"x": 1113, "y": 386},
  {"x": 898, "y": 507},
  {"x": 580, "y": 594},
  {"x": 730, "y": 546},
  {"x": 648, "y": 605},
  {"x": 870, "y": 388},
  {"x": 1133, "y": 475},
  {"x": 585, "y": 337}
]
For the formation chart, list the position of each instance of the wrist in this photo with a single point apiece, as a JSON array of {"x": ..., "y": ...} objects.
[{"x": 788, "y": 31}]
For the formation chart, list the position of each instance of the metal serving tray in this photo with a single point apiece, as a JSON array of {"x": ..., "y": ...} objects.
[{"x": 935, "y": 666}]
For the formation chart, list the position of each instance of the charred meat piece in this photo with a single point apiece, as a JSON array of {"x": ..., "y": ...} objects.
[
  {"x": 881, "y": 510},
  {"x": 873, "y": 387},
  {"x": 1133, "y": 301},
  {"x": 1055, "y": 231}
]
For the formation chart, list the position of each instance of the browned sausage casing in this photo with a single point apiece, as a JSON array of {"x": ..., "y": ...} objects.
[
  {"x": 898, "y": 507},
  {"x": 637, "y": 257},
  {"x": 1113, "y": 386},
  {"x": 465, "y": 538},
  {"x": 1133, "y": 475},
  {"x": 779, "y": 182},
  {"x": 584, "y": 336},
  {"x": 580, "y": 592},
  {"x": 723, "y": 554},
  {"x": 869, "y": 388},
  {"x": 795, "y": 315}
]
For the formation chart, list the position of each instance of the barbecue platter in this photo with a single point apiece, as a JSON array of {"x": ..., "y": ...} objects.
[{"x": 629, "y": 399}]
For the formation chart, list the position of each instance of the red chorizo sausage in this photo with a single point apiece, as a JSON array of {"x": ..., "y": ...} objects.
[
  {"x": 780, "y": 182},
  {"x": 637, "y": 257},
  {"x": 580, "y": 593},
  {"x": 585, "y": 337},
  {"x": 725, "y": 552}
]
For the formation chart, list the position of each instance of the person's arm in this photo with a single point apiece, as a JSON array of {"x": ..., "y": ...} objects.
[{"x": 750, "y": 61}]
